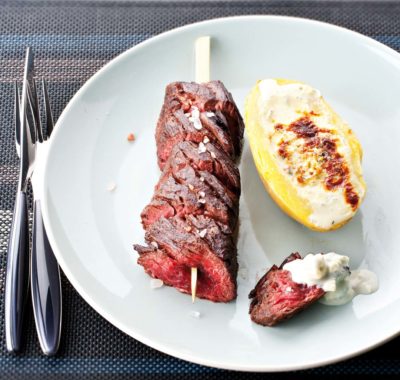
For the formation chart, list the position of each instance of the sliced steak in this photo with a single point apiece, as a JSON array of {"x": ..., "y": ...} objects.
[
  {"x": 217, "y": 129},
  {"x": 155, "y": 210},
  {"x": 277, "y": 298},
  {"x": 192, "y": 196},
  {"x": 219, "y": 118},
  {"x": 217, "y": 235},
  {"x": 192, "y": 235},
  {"x": 172, "y": 128},
  {"x": 175, "y": 245},
  {"x": 191, "y": 221},
  {"x": 212, "y": 160},
  {"x": 185, "y": 172},
  {"x": 179, "y": 198},
  {"x": 204, "y": 184}
]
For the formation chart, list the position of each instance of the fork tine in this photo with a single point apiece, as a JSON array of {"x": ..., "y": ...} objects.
[
  {"x": 37, "y": 113},
  {"x": 17, "y": 119},
  {"x": 47, "y": 107},
  {"x": 31, "y": 102}
]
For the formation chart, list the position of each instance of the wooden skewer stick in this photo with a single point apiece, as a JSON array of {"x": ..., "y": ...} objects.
[
  {"x": 194, "y": 283},
  {"x": 202, "y": 67},
  {"x": 202, "y": 51}
]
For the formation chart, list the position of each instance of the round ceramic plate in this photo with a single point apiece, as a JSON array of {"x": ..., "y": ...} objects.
[{"x": 92, "y": 229}]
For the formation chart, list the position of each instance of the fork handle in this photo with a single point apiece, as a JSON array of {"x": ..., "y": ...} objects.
[
  {"x": 45, "y": 286},
  {"x": 17, "y": 274}
]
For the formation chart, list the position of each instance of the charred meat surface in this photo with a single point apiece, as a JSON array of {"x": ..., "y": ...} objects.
[
  {"x": 189, "y": 195},
  {"x": 277, "y": 298},
  {"x": 191, "y": 220},
  {"x": 212, "y": 252},
  {"x": 192, "y": 111},
  {"x": 212, "y": 160}
]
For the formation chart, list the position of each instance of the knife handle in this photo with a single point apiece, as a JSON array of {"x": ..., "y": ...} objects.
[
  {"x": 45, "y": 286},
  {"x": 17, "y": 274}
]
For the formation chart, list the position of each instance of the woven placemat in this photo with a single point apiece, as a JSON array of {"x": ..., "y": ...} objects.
[{"x": 72, "y": 40}]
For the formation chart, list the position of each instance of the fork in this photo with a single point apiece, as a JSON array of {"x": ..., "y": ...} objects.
[{"x": 45, "y": 272}]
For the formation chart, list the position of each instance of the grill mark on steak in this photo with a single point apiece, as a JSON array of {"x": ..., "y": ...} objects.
[
  {"x": 185, "y": 201},
  {"x": 182, "y": 188},
  {"x": 155, "y": 210},
  {"x": 217, "y": 126},
  {"x": 185, "y": 172},
  {"x": 182, "y": 241},
  {"x": 170, "y": 235},
  {"x": 276, "y": 297},
  {"x": 177, "y": 128},
  {"x": 211, "y": 96},
  {"x": 224, "y": 194},
  {"x": 177, "y": 196},
  {"x": 213, "y": 160}
]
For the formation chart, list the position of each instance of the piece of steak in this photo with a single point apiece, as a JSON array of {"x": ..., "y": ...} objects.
[
  {"x": 277, "y": 298},
  {"x": 177, "y": 245},
  {"x": 214, "y": 282},
  {"x": 212, "y": 160},
  {"x": 192, "y": 111},
  {"x": 192, "y": 197},
  {"x": 184, "y": 190}
]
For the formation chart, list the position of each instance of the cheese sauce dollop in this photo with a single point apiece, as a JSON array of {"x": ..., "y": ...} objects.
[{"x": 331, "y": 273}]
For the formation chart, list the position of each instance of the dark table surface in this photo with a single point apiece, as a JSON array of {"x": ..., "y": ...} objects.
[{"x": 72, "y": 40}]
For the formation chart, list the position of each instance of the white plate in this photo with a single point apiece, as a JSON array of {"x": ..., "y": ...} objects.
[{"x": 92, "y": 229}]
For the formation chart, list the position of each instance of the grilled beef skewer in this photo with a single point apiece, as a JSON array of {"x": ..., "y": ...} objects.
[{"x": 191, "y": 221}]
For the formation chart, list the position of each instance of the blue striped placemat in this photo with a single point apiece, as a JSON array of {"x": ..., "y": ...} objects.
[{"x": 72, "y": 40}]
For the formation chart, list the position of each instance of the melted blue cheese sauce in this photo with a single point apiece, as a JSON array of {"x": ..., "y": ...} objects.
[{"x": 331, "y": 273}]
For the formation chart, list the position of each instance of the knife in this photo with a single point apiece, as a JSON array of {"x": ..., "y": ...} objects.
[{"x": 17, "y": 271}]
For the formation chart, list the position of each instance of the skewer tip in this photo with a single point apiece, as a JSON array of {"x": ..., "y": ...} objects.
[{"x": 202, "y": 66}]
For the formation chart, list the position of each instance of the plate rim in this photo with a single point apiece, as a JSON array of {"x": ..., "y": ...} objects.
[{"x": 75, "y": 281}]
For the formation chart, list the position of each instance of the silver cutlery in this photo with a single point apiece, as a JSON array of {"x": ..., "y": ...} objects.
[
  {"x": 17, "y": 274},
  {"x": 44, "y": 270}
]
